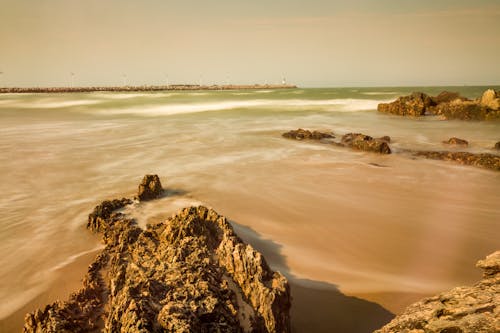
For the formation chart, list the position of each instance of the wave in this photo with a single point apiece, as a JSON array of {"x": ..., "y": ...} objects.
[
  {"x": 372, "y": 93},
  {"x": 51, "y": 104},
  {"x": 339, "y": 105}
]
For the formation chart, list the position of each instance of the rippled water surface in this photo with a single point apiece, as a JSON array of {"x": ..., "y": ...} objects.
[{"x": 364, "y": 222}]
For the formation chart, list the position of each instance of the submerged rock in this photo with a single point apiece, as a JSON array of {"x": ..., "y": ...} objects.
[
  {"x": 364, "y": 142},
  {"x": 456, "y": 141},
  {"x": 447, "y": 104},
  {"x": 484, "y": 160},
  {"x": 301, "y": 134},
  {"x": 150, "y": 188},
  {"x": 473, "y": 309},
  {"x": 191, "y": 273}
]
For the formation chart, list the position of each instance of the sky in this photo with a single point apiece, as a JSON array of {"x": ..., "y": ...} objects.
[{"x": 313, "y": 43}]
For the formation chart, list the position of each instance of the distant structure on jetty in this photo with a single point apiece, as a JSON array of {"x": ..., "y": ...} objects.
[{"x": 144, "y": 88}]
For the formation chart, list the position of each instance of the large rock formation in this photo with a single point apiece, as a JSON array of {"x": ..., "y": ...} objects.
[
  {"x": 446, "y": 104},
  {"x": 473, "y": 309},
  {"x": 190, "y": 273}
]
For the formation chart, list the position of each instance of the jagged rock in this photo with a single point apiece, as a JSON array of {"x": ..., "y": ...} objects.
[
  {"x": 465, "y": 110},
  {"x": 456, "y": 141},
  {"x": 497, "y": 145},
  {"x": 484, "y": 160},
  {"x": 150, "y": 188},
  {"x": 191, "y": 273},
  {"x": 446, "y": 104},
  {"x": 491, "y": 99},
  {"x": 364, "y": 142},
  {"x": 446, "y": 97},
  {"x": 473, "y": 309},
  {"x": 414, "y": 105},
  {"x": 301, "y": 134}
]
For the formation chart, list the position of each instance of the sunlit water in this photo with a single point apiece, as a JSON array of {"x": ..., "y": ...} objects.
[{"x": 410, "y": 226}]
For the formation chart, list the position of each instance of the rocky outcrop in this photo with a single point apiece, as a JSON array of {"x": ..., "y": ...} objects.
[
  {"x": 414, "y": 105},
  {"x": 447, "y": 104},
  {"x": 302, "y": 134},
  {"x": 364, "y": 142},
  {"x": 473, "y": 309},
  {"x": 355, "y": 141},
  {"x": 491, "y": 99},
  {"x": 484, "y": 160},
  {"x": 456, "y": 142},
  {"x": 150, "y": 188},
  {"x": 191, "y": 273},
  {"x": 497, "y": 146}
]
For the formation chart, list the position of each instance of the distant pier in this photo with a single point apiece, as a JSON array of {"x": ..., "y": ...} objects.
[{"x": 175, "y": 87}]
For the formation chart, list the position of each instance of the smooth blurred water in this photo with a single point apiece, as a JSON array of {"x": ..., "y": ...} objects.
[{"x": 413, "y": 225}]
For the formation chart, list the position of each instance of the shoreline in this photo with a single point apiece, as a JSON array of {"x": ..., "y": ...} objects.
[{"x": 173, "y": 87}]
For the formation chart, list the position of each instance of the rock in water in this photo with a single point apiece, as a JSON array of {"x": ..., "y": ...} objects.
[
  {"x": 497, "y": 145},
  {"x": 301, "y": 134},
  {"x": 446, "y": 104},
  {"x": 473, "y": 309},
  {"x": 364, "y": 142},
  {"x": 456, "y": 142},
  {"x": 150, "y": 188},
  {"x": 484, "y": 160},
  {"x": 491, "y": 99},
  {"x": 191, "y": 273},
  {"x": 414, "y": 105}
]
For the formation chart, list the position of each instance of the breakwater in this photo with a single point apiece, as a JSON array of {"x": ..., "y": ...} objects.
[{"x": 143, "y": 88}]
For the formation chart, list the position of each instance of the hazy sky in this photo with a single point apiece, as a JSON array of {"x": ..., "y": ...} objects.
[{"x": 311, "y": 43}]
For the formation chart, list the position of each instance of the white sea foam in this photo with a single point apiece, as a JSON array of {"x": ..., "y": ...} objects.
[
  {"x": 371, "y": 93},
  {"x": 52, "y": 104},
  {"x": 341, "y": 105}
]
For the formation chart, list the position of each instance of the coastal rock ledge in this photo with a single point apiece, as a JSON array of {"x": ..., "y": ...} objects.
[
  {"x": 191, "y": 273},
  {"x": 473, "y": 309}
]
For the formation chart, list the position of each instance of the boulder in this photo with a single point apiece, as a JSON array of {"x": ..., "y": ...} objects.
[
  {"x": 415, "y": 105},
  {"x": 448, "y": 105},
  {"x": 456, "y": 141},
  {"x": 491, "y": 99},
  {"x": 191, "y": 273},
  {"x": 472, "y": 309},
  {"x": 364, "y": 142},
  {"x": 497, "y": 146},
  {"x": 150, "y": 188},
  {"x": 302, "y": 134},
  {"x": 446, "y": 97}
]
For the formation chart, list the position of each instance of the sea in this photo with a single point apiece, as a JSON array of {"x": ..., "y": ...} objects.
[{"x": 383, "y": 228}]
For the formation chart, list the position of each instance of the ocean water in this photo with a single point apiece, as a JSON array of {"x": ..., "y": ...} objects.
[{"x": 365, "y": 223}]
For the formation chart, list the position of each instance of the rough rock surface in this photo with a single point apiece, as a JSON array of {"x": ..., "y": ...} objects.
[
  {"x": 414, "y": 105},
  {"x": 190, "y": 273},
  {"x": 364, "y": 142},
  {"x": 302, "y": 134},
  {"x": 456, "y": 142},
  {"x": 473, "y": 309},
  {"x": 447, "y": 104},
  {"x": 484, "y": 160},
  {"x": 491, "y": 99},
  {"x": 150, "y": 188}
]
